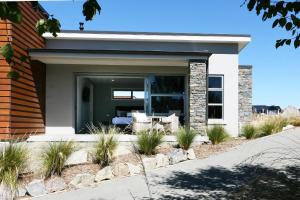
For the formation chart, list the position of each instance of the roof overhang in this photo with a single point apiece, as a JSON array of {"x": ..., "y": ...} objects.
[
  {"x": 241, "y": 40},
  {"x": 115, "y": 57}
]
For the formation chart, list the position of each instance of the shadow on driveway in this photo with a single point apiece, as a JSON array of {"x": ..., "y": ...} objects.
[{"x": 244, "y": 182}]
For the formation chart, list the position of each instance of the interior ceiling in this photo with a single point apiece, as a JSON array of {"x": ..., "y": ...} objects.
[{"x": 119, "y": 80}]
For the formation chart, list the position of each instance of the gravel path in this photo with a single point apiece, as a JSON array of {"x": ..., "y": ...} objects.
[{"x": 265, "y": 168}]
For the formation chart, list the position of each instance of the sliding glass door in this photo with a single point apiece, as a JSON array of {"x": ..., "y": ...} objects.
[{"x": 165, "y": 95}]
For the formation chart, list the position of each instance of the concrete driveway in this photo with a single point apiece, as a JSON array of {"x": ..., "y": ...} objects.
[{"x": 265, "y": 168}]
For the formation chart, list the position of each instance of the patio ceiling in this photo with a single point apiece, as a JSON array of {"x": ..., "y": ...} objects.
[{"x": 116, "y": 57}]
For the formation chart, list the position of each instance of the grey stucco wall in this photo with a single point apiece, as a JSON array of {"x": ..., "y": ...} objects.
[
  {"x": 198, "y": 96},
  {"x": 245, "y": 94}
]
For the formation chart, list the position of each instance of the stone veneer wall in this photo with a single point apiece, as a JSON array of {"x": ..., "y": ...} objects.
[
  {"x": 245, "y": 94},
  {"x": 198, "y": 95}
]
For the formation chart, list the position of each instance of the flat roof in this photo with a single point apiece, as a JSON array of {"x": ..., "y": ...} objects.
[{"x": 241, "y": 39}]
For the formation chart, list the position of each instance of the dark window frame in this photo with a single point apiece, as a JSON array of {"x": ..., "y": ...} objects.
[{"x": 221, "y": 89}]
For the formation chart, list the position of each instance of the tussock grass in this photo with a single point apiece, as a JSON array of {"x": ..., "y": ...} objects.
[
  {"x": 185, "y": 138},
  {"x": 148, "y": 141},
  {"x": 105, "y": 149},
  {"x": 55, "y": 156},
  {"x": 13, "y": 161},
  {"x": 295, "y": 121},
  {"x": 249, "y": 131},
  {"x": 217, "y": 134}
]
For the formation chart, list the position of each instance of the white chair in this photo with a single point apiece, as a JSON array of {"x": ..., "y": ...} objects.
[
  {"x": 171, "y": 123},
  {"x": 140, "y": 122}
]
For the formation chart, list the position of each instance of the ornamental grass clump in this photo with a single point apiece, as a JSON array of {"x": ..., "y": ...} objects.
[
  {"x": 295, "y": 121},
  {"x": 13, "y": 161},
  {"x": 217, "y": 134},
  {"x": 267, "y": 128},
  {"x": 185, "y": 138},
  {"x": 279, "y": 124},
  {"x": 105, "y": 149},
  {"x": 249, "y": 131},
  {"x": 55, "y": 156},
  {"x": 148, "y": 141}
]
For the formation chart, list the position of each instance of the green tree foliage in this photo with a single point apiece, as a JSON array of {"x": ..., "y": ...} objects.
[
  {"x": 285, "y": 14},
  {"x": 11, "y": 11}
]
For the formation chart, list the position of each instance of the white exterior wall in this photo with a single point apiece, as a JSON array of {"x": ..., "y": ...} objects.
[
  {"x": 60, "y": 81},
  {"x": 227, "y": 65}
]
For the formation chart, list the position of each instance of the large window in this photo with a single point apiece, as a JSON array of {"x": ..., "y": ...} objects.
[
  {"x": 127, "y": 94},
  {"x": 215, "y": 97},
  {"x": 167, "y": 95}
]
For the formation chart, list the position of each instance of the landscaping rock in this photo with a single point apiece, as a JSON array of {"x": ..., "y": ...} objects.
[
  {"x": 288, "y": 127},
  {"x": 133, "y": 169},
  {"x": 161, "y": 160},
  {"x": 149, "y": 163},
  {"x": 82, "y": 180},
  {"x": 5, "y": 193},
  {"x": 190, "y": 154},
  {"x": 121, "y": 169},
  {"x": 104, "y": 174},
  {"x": 55, "y": 184},
  {"x": 177, "y": 156},
  {"x": 78, "y": 157},
  {"x": 36, "y": 188},
  {"x": 21, "y": 192}
]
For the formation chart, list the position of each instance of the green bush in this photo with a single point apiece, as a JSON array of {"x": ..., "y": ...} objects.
[
  {"x": 148, "y": 141},
  {"x": 55, "y": 157},
  {"x": 13, "y": 161},
  {"x": 185, "y": 138},
  {"x": 267, "y": 128},
  {"x": 279, "y": 124},
  {"x": 217, "y": 134},
  {"x": 104, "y": 149},
  {"x": 249, "y": 131},
  {"x": 295, "y": 121}
]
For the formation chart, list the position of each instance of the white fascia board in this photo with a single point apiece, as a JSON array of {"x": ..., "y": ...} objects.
[{"x": 241, "y": 40}]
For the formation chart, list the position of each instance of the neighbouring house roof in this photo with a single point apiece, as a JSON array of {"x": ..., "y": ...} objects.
[
  {"x": 264, "y": 108},
  {"x": 241, "y": 39}
]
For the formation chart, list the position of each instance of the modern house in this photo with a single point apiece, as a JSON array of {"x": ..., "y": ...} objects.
[
  {"x": 264, "y": 109},
  {"x": 82, "y": 77}
]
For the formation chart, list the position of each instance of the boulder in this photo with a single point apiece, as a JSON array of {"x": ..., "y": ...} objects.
[
  {"x": 190, "y": 154},
  {"x": 149, "y": 163},
  {"x": 133, "y": 169},
  {"x": 55, "y": 184},
  {"x": 36, "y": 188},
  {"x": 78, "y": 157},
  {"x": 121, "y": 169},
  {"x": 82, "y": 180},
  {"x": 21, "y": 191},
  {"x": 161, "y": 160},
  {"x": 177, "y": 156},
  {"x": 288, "y": 127},
  {"x": 104, "y": 174}
]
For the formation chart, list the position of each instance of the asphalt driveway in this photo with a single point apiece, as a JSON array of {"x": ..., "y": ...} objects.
[{"x": 265, "y": 168}]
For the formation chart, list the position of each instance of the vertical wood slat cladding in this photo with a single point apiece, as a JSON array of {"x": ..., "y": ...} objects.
[{"x": 22, "y": 110}]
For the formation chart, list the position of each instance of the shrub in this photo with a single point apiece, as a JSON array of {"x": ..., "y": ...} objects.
[
  {"x": 55, "y": 157},
  {"x": 148, "y": 141},
  {"x": 279, "y": 124},
  {"x": 295, "y": 121},
  {"x": 185, "y": 138},
  {"x": 217, "y": 134},
  {"x": 104, "y": 149},
  {"x": 13, "y": 160},
  {"x": 267, "y": 128},
  {"x": 249, "y": 131}
]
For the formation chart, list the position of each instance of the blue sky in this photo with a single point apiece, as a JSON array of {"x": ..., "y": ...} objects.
[{"x": 276, "y": 73}]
